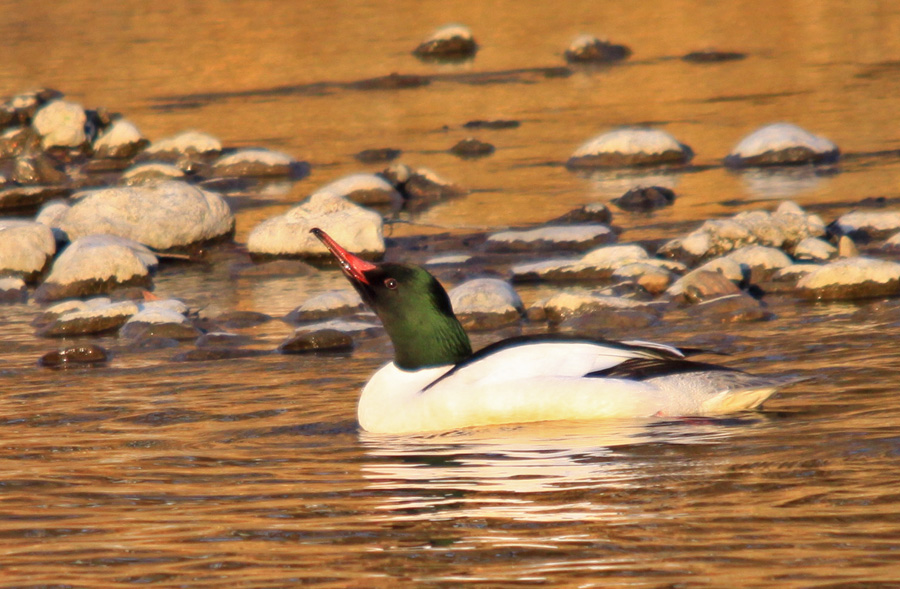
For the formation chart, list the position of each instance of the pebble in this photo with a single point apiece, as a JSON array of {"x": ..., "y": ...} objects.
[
  {"x": 450, "y": 42},
  {"x": 551, "y": 238},
  {"x": 357, "y": 229},
  {"x": 26, "y": 248},
  {"x": 97, "y": 264},
  {"x": 85, "y": 355},
  {"x": 163, "y": 216},
  {"x": 61, "y": 124},
  {"x": 364, "y": 189},
  {"x": 630, "y": 146},
  {"x": 852, "y": 278},
  {"x": 95, "y": 316},
  {"x": 321, "y": 340},
  {"x": 121, "y": 140},
  {"x": 486, "y": 303},
  {"x": 256, "y": 162},
  {"x": 645, "y": 199},
  {"x": 869, "y": 224},
  {"x": 327, "y": 305},
  {"x": 781, "y": 144},
  {"x": 590, "y": 49}
]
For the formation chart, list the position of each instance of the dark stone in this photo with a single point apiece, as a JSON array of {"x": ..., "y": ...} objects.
[
  {"x": 420, "y": 187},
  {"x": 375, "y": 156},
  {"x": 472, "y": 148},
  {"x": 323, "y": 340},
  {"x": 450, "y": 49},
  {"x": 241, "y": 319},
  {"x": 16, "y": 142},
  {"x": 712, "y": 56},
  {"x": 38, "y": 169},
  {"x": 86, "y": 355},
  {"x": 644, "y": 200},
  {"x": 14, "y": 295},
  {"x": 495, "y": 124},
  {"x": 598, "y": 52},
  {"x": 589, "y": 213},
  {"x": 704, "y": 285},
  {"x": 89, "y": 325},
  {"x": 153, "y": 342}
]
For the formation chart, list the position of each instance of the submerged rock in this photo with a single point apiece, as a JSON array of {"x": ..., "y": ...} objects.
[
  {"x": 731, "y": 308},
  {"x": 567, "y": 237},
  {"x": 353, "y": 328},
  {"x": 565, "y": 305},
  {"x": 852, "y": 278},
  {"x": 782, "y": 144},
  {"x": 421, "y": 187},
  {"x": 357, "y": 229},
  {"x": 471, "y": 148},
  {"x": 162, "y": 319},
  {"x": 97, "y": 264},
  {"x": 450, "y": 42},
  {"x": 595, "y": 212},
  {"x": 319, "y": 341},
  {"x": 85, "y": 355},
  {"x": 486, "y": 303},
  {"x": 26, "y": 247},
  {"x": 94, "y": 316},
  {"x": 590, "y": 49},
  {"x": 377, "y": 156},
  {"x": 646, "y": 199},
  {"x": 163, "y": 216},
  {"x": 630, "y": 146},
  {"x": 712, "y": 56}
]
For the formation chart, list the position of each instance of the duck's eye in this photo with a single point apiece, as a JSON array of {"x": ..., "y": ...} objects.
[{"x": 390, "y": 283}]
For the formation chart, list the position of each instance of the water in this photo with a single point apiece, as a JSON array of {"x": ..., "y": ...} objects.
[{"x": 252, "y": 472}]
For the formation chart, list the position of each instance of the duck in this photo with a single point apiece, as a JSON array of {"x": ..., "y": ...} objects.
[{"x": 436, "y": 382}]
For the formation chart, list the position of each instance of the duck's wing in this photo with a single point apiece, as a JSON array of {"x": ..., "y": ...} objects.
[{"x": 559, "y": 356}]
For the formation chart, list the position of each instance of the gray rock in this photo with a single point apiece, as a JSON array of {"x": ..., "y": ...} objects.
[
  {"x": 326, "y": 306},
  {"x": 97, "y": 264},
  {"x": 254, "y": 163},
  {"x": 590, "y": 49},
  {"x": 852, "y": 278},
  {"x": 449, "y": 42},
  {"x": 814, "y": 249},
  {"x": 631, "y": 146},
  {"x": 357, "y": 229},
  {"x": 364, "y": 189},
  {"x": 121, "y": 140},
  {"x": 796, "y": 224},
  {"x": 26, "y": 247},
  {"x": 566, "y": 237},
  {"x": 702, "y": 285},
  {"x": 163, "y": 216},
  {"x": 781, "y": 144},
  {"x": 869, "y": 224},
  {"x": 486, "y": 303},
  {"x": 724, "y": 266},
  {"x": 61, "y": 124}
]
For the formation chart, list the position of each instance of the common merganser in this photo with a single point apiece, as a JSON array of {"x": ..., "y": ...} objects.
[{"x": 436, "y": 382}]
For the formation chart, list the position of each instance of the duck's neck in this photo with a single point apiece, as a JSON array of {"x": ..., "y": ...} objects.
[{"x": 423, "y": 341}]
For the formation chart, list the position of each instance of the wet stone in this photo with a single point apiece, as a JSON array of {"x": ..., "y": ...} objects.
[
  {"x": 61, "y": 124},
  {"x": 596, "y": 212},
  {"x": 257, "y": 163},
  {"x": 29, "y": 197},
  {"x": 187, "y": 143},
  {"x": 630, "y": 146},
  {"x": 472, "y": 148},
  {"x": 565, "y": 305},
  {"x": 39, "y": 168},
  {"x": 565, "y": 237},
  {"x": 421, "y": 187},
  {"x": 319, "y": 341},
  {"x": 121, "y": 140},
  {"x": 326, "y": 306},
  {"x": 603, "y": 321},
  {"x": 733, "y": 308},
  {"x": 868, "y": 224},
  {"x": 350, "y": 327},
  {"x": 212, "y": 354},
  {"x": 241, "y": 319},
  {"x": 271, "y": 269},
  {"x": 173, "y": 331},
  {"x": 26, "y": 247},
  {"x": 92, "y": 317},
  {"x": 645, "y": 200},
  {"x": 151, "y": 172},
  {"x": 702, "y": 285},
  {"x": 761, "y": 261},
  {"x": 86, "y": 355},
  {"x": 782, "y": 144},
  {"x": 852, "y": 278},
  {"x": 590, "y": 49},
  {"x": 450, "y": 42},
  {"x": 18, "y": 140},
  {"x": 598, "y": 264},
  {"x": 378, "y": 155},
  {"x": 652, "y": 278}
]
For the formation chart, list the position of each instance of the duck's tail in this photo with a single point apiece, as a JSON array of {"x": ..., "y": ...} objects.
[{"x": 747, "y": 392}]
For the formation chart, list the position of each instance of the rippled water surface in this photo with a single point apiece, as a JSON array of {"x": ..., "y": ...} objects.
[{"x": 252, "y": 472}]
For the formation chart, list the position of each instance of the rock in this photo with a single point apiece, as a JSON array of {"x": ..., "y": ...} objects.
[
  {"x": 353, "y": 328},
  {"x": 651, "y": 277},
  {"x": 26, "y": 248},
  {"x": 764, "y": 227},
  {"x": 601, "y": 321},
  {"x": 701, "y": 285},
  {"x": 712, "y": 56},
  {"x": 159, "y": 321},
  {"x": 29, "y": 197},
  {"x": 486, "y": 303},
  {"x": 377, "y": 156},
  {"x": 86, "y": 355},
  {"x": 598, "y": 264},
  {"x": 550, "y": 238},
  {"x": 357, "y": 229},
  {"x": 421, "y": 187},
  {"x": 364, "y": 189},
  {"x": 868, "y": 224},
  {"x": 151, "y": 173},
  {"x": 732, "y": 308},
  {"x": 450, "y": 42},
  {"x": 796, "y": 224},
  {"x": 782, "y": 144},
  {"x": 256, "y": 163},
  {"x": 221, "y": 339},
  {"x": 61, "y": 124},
  {"x": 793, "y": 273},
  {"x": 13, "y": 290},
  {"x": 846, "y": 248},
  {"x": 85, "y": 317},
  {"x": 322, "y": 340},
  {"x": 162, "y": 216},
  {"x": 18, "y": 140},
  {"x": 852, "y": 278},
  {"x": 891, "y": 245},
  {"x": 590, "y": 49},
  {"x": 814, "y": 249},
  {"x": 242, "y": 319},
  {"x": 761, "y": 261},
  {"x": 471, "y": 148},
  {"x": 449, "y": 260},
  {"x": 327, "y": 305},
  {"x": 97, "y": 264},
  {"x": 185, "y": 144},
  {"x": 492, "y": 124},
  {"x": 121, "y": 140},
  {"x": 630, "y": 146},
  {"x": 38, "y": 168},
  {"x": 644, "y": 200},
  {"x": 612, "y": 257},
  {"x": 565, "y": 305},
  {"x": 595, "y": 212},
  {"x": 271, "y": 269}
]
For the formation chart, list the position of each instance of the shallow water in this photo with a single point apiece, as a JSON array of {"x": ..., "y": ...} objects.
[{"x": 252, "y": 472}]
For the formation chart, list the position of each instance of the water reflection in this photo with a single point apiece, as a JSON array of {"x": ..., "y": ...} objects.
[
  {"x": 765, "y": 183},
  {"x": 608, "y": 184}
]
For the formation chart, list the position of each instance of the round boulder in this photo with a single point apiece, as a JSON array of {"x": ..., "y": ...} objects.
[
  {"x": 163, "y": 216},
  {"x": 450, "y": 42},
  {"x": 26, "y": 247},
  {"x": 630, "y": 146},
  {"x": 61, "y": 124},
  {"x": 590, "y": 49},
  {"x": 355, "y": 228},
  {"x": 852, "y": 278},
  {"x": 486, "y": 303},
  {"x": 97, "y": 264},
  {"x": 86, "y": 355},
  {"x": 781, "y": 144},
  {"x": 160, "y": 319}
]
